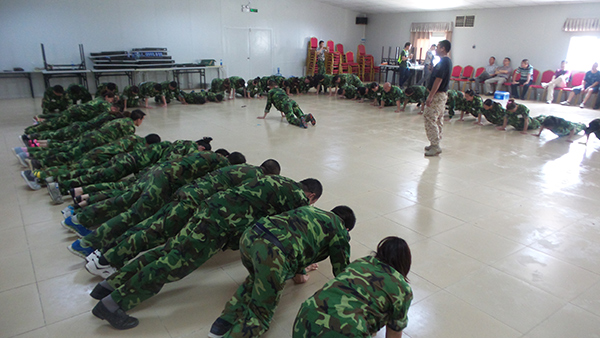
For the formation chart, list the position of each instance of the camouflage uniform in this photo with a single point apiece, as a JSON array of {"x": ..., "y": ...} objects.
[
  {"x": 274, "y": 250},
  {"x": 75, "y": 129},
  {"x": 218, "y": 225},
  {"x": 80, "y": 112},
  {"x": 144, "y": 198},
  {"x": 133, "y": 100},
  {"x": 130, "y": 163},
  {"x": 519, "y": 122},
  {"x": 169, "y": 93},
  {"x": 147, "y": 89},
  {"x": 351, "y": 79},
  {"x": 52, "y": 102},
  {"x": 83, "y": 96},
  {"x": 171, "y": 218},
  {"x": 473, "y": 107},
  {"x": 216, "y": 85},
  {"x": 92, "y": 158},
  {"x": 234, "y": 85},
  {"x": 278, "y": 98},
  {"x": 453, "y": 101},
  {"x": 253, "y": 89},
  {"x": 495, "y": 114},
  {"x": 419, "y": 95},
  {"x": 350, "y": 91},
  {"x": 564, "y": 127},
  {"x": 392, "y": 97},
  {"x": 73, "y": 150},
  {"x": 102, "y": 87},
  {"x": 357, "y": 303}
]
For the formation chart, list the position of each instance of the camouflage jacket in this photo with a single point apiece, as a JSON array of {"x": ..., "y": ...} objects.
[
  {"x": 276, "y": 97},
  {"x": 419, "y": 95},
  {"x": 102, "y": 87},
  {"x": 84, "y": 94},
  {"x": 147, "y": 89},
  {"x": 51, "y": 101}
]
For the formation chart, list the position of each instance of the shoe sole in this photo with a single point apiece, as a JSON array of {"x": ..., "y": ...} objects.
[
  {"x": 75, "y": 252},
  {"x": 436, "y": 154},
  {"x": 54, "y": 194},
  {"x": 23, "y": 162},
  {"x": 100, "y": 272},
  {"x": 31, "y": 185}
]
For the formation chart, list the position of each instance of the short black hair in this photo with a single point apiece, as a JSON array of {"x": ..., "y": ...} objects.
[
  {"x": 135, "y": 89},
  {"x": 222, "y": 151},
  {"x": 335, "y": 78},
  {"x": 362, "y": 90},
  {"x": 394, "y": 251},
  {"x": 493, "y": 57},
  {"x": 321, "y": 42},
  {"x": 157, "y": 87},
  {"x": 241, "y": 83},
  {"x": 173, "y": 84},
  {"x": 199, "y": 99},
  {"x": 108, "y": 94},
  {"x": 407, "y": 44},
  {"x": 75, "y": 89},
  {"x": 312, "y": 185},
  {"x": 152, "y": 138},
  {"x": 271, "y": 167},
  {"x": 205, "y": 142},
  {"x": 445, "y": 44},
  {"x": 374, "y": 85},
  {"x": 409, "y": 91},
  {"x": 219, "y": 97},
  {"x": 488, "y": 102},
  {"x": 340, "y": 91},
  {"x": 272, "y": 83},
  {"x": 137, "y": 115},
  {"x": 236, "y": 158},
  {"x": 347, "y": 216},
  {"x": 550, "y": 121},
  {"x": 470, "y": 92},
  {"x": 593, "y": 126},
  {"x": 511, "y": 105},
  {"x": 111, "y": 86},
  {"x": 507, "y": 58},
  {"x": 58, "y": 89}
]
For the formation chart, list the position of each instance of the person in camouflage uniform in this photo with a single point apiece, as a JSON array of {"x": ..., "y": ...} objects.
[
  {"x": 524, "y": 122},
  {"x": 471, "y": 104},
  {"x": 237, "y": 85},
  {"x": 453, "y": 101},
  {"x": 253, "y": 88},
  {"x": 130, "y": 97},
  {"x": 170, "y": 219},
  {"x": 193, "y": 97},
  {"x": 79, "y": 93},
  {"x": 133, "y": 162},
  {"x": 218, "y": 85},
  {"x": 142, "y": 200},
  {"x": 55, "y": 100},
  {"x": 169, "y": 92},
  {"x": 415, "y": 94},
  {"x": 218, "y": 225},
  {"x": 97, "y": 156},
  {"x": 391, "y": 95},
  {"x": 109, "y": 87},
  {"x": 493, "y": 112},
  {"x": 362, "y": 93},
  {"x": 561, "y": 127},
  {"x": 323, "y": 82},
  {"x": 375, "y": 93},
  {"x": 276, "y": 249},
  {"x": 67, "y": 152},
  {"x": 371, "y": 293},
  {"x": 288, "y": 107},
  {"x": 80, "y": 112},
  {"x": 150, "y": 89},
  {"x": 348, "y": 91}
]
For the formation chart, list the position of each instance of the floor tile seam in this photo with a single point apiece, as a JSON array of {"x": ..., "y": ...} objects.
[
  {"x": 564, "y": 259},
  {"x": 422, "y": 234},
  {"x": 463, "y": 253},
  {"x": 584, "y": 309},
  {"x": 547, "y": 318}
]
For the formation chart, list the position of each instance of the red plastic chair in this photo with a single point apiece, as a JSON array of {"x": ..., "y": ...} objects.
[
  {"x": 456, "y": 70},
  {"x": 478, "y": 72},
  {"x": 513, "y": 78},
  {"x": 361, "y": 50},
  {"x": 576, "y": 80},
  {"x": 314, "y": 43},
  {"x": 546, "y": 77},
  {"x": 466, "y": 76},
  {"x": 340, "y": 49},
  {"x": 330, "y": 45}
]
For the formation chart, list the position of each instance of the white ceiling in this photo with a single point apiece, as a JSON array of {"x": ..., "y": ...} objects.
[{"x": 396, "y": 6}]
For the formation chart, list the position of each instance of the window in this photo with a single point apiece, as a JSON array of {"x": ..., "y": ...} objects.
[
  {"x": 435, "y": 38},
  {"x": 583, "y": 52}
]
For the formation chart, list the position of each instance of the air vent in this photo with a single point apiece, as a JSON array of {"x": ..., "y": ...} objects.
[{"x": 465, "y": 21}]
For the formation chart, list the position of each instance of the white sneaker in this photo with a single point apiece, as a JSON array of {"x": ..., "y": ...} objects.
[
  {"x": 94, "y": 256},
  {"x": 97, "y": 269},
  {"x": 548, "y": 102},
  {"x": 581, "y": 106}
]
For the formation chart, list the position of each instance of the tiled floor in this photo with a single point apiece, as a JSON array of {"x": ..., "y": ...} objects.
[{"x": 504, "y": 228}]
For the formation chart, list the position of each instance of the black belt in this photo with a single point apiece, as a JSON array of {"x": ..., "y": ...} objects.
[{"x": 260, "y": 229}]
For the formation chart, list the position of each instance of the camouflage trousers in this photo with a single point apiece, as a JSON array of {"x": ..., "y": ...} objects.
[
  {"x": 307, "y": 327},
  {"x": 101, "y": 212},
  {"x": 293, "y": 113},
  {"x": 492, "y": 117},
  {"x": 71, "y": 151},
  {"x": 251, "y": 308},
  {"x": 320, "y": 67},
  {"x": 518, "y": 122},
  {"x": 109, "y": 172},
  {"x": 150, "y": 199},
  {"x": 386, "y": 102},
  {"x": 434, "y": 118},
  {"x": 49, "y": 124},
  {"x": 145, "y": 276}
]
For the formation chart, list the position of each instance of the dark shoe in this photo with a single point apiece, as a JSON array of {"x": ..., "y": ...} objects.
[
  {"x": 310, "y": 118},
  {"x": 72, "y": 192},
  {"x": 100, "y": 292},
  {"x": 219, "y": 328},
  {"x": 118, "y": 319},
  {"x": 25, "y": 139}
]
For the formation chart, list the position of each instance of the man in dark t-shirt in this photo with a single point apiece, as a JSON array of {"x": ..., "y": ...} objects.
[{"x": 436, "y": 101}]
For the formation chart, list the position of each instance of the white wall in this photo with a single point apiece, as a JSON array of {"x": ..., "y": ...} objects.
[
  {"x": 533, "y": 33},
  {"x": 190, "y": 29}
]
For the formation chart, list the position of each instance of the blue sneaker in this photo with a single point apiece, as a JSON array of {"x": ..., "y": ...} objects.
[
  {"x": 77, "y": 228},
  {"x": 78, "y": 250},
  {"x": 68, "y": 211}
]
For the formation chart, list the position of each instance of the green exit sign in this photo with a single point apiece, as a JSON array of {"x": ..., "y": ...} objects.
[{"x": 253, "y": 10}]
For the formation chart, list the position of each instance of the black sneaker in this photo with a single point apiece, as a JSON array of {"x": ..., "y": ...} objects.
[
  {"x": 219, "y": 328},
  {"x": 310, "y": 118},
  {"x": 100, "y": 292},
  {"x": 118, "y": 319},
  {"x": 25, "y": 139}
]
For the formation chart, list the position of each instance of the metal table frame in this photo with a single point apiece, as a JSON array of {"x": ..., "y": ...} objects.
[
  {"x": 129, "y": 72},
  {"x": 79, "y": 74},
  {"x": 13, "y": 75}
]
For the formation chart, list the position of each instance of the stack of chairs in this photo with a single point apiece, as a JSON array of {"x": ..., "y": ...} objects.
[
  {"x": 332, "y": 60},
  {"x": 340, "y": 49},
  {"x": 311, "y": 56},
  {"x": 350, "y": 67},
  {"x": 366, "y": 65}
]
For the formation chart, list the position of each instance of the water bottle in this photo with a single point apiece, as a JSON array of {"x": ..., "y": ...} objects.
[
  {"x": 221, "y": 62},
  {"x": 278, "y": 73}
]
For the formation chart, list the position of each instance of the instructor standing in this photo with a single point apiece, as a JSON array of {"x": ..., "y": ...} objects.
[{"x": 436, "y": 101}]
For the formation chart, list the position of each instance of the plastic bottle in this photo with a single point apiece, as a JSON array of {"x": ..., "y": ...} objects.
[{"x": 221, "y": 62}]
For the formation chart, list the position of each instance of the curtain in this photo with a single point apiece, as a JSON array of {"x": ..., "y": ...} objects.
[
  {"x": 581, "y": 25},
  {"x": 431, "y": 27},
  {"x": 420, "y": 42}
]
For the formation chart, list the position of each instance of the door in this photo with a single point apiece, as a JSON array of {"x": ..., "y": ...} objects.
[
  {"x": 261, "y": 52},
  {"x": 248, "y": 52}
]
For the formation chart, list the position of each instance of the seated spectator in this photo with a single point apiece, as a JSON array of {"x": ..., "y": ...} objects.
[
  {"x": 526, "y": 80},
  {"x": 589, "y": 86},
  {"x": 488, "y": 73},
  {"x": 559, "y": 79},
  {"x": 501, "y": 75}
]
